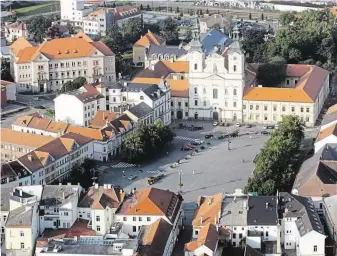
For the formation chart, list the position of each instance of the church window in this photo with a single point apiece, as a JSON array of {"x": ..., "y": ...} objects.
[
  {"x": 195, "y": 90},
  {"x": 204, "y": 90},
  {"x": 215, "y": 93},
  {"x": 215, "y": 69},
  {"x": 234, "y": 68},
  {"x": 195, "y": 66},
  {"x": 234, "y": 92},
  {"x": 226, "y": 92}
]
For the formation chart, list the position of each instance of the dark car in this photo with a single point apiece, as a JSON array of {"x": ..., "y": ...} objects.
[
  {"x": 208, "y": 136},
  {"x": 248, "y": 126},
  {"x": 265, "y": 133}
]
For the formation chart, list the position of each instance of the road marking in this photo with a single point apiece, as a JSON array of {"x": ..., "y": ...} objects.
[
  {"x": 184, "y": 138},
  {"x": 123, "y": 165}
]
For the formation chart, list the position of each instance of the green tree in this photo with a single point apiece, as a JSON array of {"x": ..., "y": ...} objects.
[
  {"x": 38, "y": 26},
  {"x": 271, "y": 74},
  {"x": 114, "y": 5},
  {"x": 146, "y": 142},
  {"x": 54, "y": 32},
  {"x": 81, "y": 174},
  {"x": 177, "y": 11},
  {"x": 254, "y": 45},
  {"x": 250, "y": 16},
  {"x": 168, "y": 29},
  {"x": 286, "y": 18},
  {"x": 200, "y": 12},
  {"x": 148, "y": 7},
  {"x": 73, "y": 85},
  {"x": 114, "y": 39},
  {"x": 5, "y": 71},
  {"x": 141, "y": 7},
  {"x": 311, "y": 37},
  {"x": 133, "y": 29},
  {"x": 276, "y": 165}
]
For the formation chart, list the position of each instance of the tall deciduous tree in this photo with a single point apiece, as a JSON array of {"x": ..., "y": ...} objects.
[
  {"x": 133, "y": 29},
  {"x": 168, "y": 29},
  {"x": 254, "y": 45},
  {"x": 5, "y": 71},
  {"x": 286, "y": 18},
  {"x": 38, "y": 26},
  {"x": 114, "y": 39},
  {"x": 276, "y": 165}
]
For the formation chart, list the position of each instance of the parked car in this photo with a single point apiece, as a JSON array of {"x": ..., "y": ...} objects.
[
  {"x": 234, "y": 134},
  {"x": 265, "y": 133},
  {"x": 36, "y": 98},
  {"x": 208, "y": 136},
  {"x": 238, "y": 125},
  {"x": 197, "y": 142},
  {"x": 252, "y": 132},
  {"x": 248, "y": 126},
  {"x": 215, "y": 123},
  {"x": 268, "y": 127},
  {"x": 132, "y": 177}
]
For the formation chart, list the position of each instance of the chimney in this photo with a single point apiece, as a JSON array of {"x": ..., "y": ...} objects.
[
  {"x": 267, "y": 204},
  {"x": 68, "y": 183},
  {"x": 209, "y": 200},
  {"x": 96, "y": 185},
  {"x": 30, "y": 158},
  {"x": 121, "y": 191},
  {"x": 63, "y": 195},
  {"x": 60, "y": 184},
  {"x": 105, "y": 186},
  {"x": 109, "y": 186},
  {"x": 201, "y": 220},
  {"x": 20, "y": 191},
  {"x": 151, "y": 67},
  {"x": 215, "y": 220},
  {"x": 125, "y": 84}
]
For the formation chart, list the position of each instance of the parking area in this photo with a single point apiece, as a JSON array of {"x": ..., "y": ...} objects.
[{"x": 214, "y": 169}]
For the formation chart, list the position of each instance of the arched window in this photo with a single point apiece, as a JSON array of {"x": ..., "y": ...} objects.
[
  {"x": 204, "y": 103},
  {"x": 160, "y": 57},
  {"x": 195, "y": 66},
  {"x": 226, "y": 92},
  {"x": 234, "y": 92},
  {"x": 204, "y": 90},
  {"x": 154, "y": 57},
  {"x": 234, "y": 68},
  {"x": 195, "y": 90},
  {"x": 215, "y": 68},
  {"x": 166, "y": 57}
]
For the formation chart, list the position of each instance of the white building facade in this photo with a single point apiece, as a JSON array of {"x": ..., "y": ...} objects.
[{"x": 47, "y": 67}]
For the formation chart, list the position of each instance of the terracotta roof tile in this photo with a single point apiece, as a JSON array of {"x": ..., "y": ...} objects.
[
  {"x": 57, "y": 127},
  {"x": 152, "y": 201},
  {"x": 82, "y": 35},
  {"x": 95, "y": 134},
  {"x": 100, "y": 198},
  {"x": 156, "y": 237},
  {"x": 179, "y": 88},
  {"x": 23, "y": 139},
  {"x": 102, "y": 117},
  {"x": 311, "y": 80},
  {"x": 332, "y": 109},
  {"x": 55, "y": 149},
  {"x": 208, "y": 211},
  {"x": 20, "y": 44},
  {"x": 208, "y": 236},
  {"x": 149, "y": 38},
  {"x": 64, "y": 48},
  {"x": 331, "y": 130}
]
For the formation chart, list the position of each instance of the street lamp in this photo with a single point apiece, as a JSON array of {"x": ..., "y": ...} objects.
[
  {"x": 180, "y": 183},
  {"x": 93, "y": 176}
]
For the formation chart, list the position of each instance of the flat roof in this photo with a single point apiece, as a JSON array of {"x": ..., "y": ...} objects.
[{"x": 234, "y": 211}]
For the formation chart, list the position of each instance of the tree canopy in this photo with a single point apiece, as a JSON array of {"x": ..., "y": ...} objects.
[
  {"x": 272, "y": 74},
  {"x": 276, "y": 165},
  {"x": 133, "y": 29},
  {"x": 73, "y": 85},
  {"x": 5, "y": 71},
  {"x": 286, "y": 18},
  {"x": 310, "y": 37},
  {"x": 168, "y": 30},
  {"x": 146, "y": 142},
  {"x": 253, "y": 44},
  {"x": 114, "y": 39},
  {"x": 38, "y": 26}
]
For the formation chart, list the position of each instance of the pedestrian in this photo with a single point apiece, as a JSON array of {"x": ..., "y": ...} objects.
[{"x": 243, "y": 160}]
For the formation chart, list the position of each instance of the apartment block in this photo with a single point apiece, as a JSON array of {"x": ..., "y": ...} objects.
[
  {"x": 48, "y": 66},
  {"x": 15, "y": 144}
]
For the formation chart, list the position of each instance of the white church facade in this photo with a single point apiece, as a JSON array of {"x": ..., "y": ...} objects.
[{"x": 216, "y": 81}]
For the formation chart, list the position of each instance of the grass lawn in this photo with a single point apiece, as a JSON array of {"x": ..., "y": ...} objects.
[{"x": 32, "y": 8}]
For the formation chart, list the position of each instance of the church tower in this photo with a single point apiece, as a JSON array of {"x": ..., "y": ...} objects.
[{"x": 198, "y": 59}]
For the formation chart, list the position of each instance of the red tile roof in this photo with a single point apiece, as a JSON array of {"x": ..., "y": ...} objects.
[{"x": 208, "y": 236}]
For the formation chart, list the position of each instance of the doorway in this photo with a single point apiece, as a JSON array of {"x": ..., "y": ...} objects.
[
  {"x": 215, "y": 116},
  {"x": 179, "y": 114}
]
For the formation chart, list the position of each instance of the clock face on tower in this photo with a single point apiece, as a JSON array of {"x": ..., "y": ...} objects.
[{"x": 234, "y": 58}]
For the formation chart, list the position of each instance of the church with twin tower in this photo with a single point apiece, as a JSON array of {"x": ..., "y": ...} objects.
[{"x": 216, "y": 79}]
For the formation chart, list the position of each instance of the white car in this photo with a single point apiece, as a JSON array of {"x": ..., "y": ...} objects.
[
  {"x": 215, "y": 123},
  {"x": 36, "y": 98},
  {"x": 198, "y": 142},
  {"x": 238, "y": 125},
  {"x": 132, "y": 177}
]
